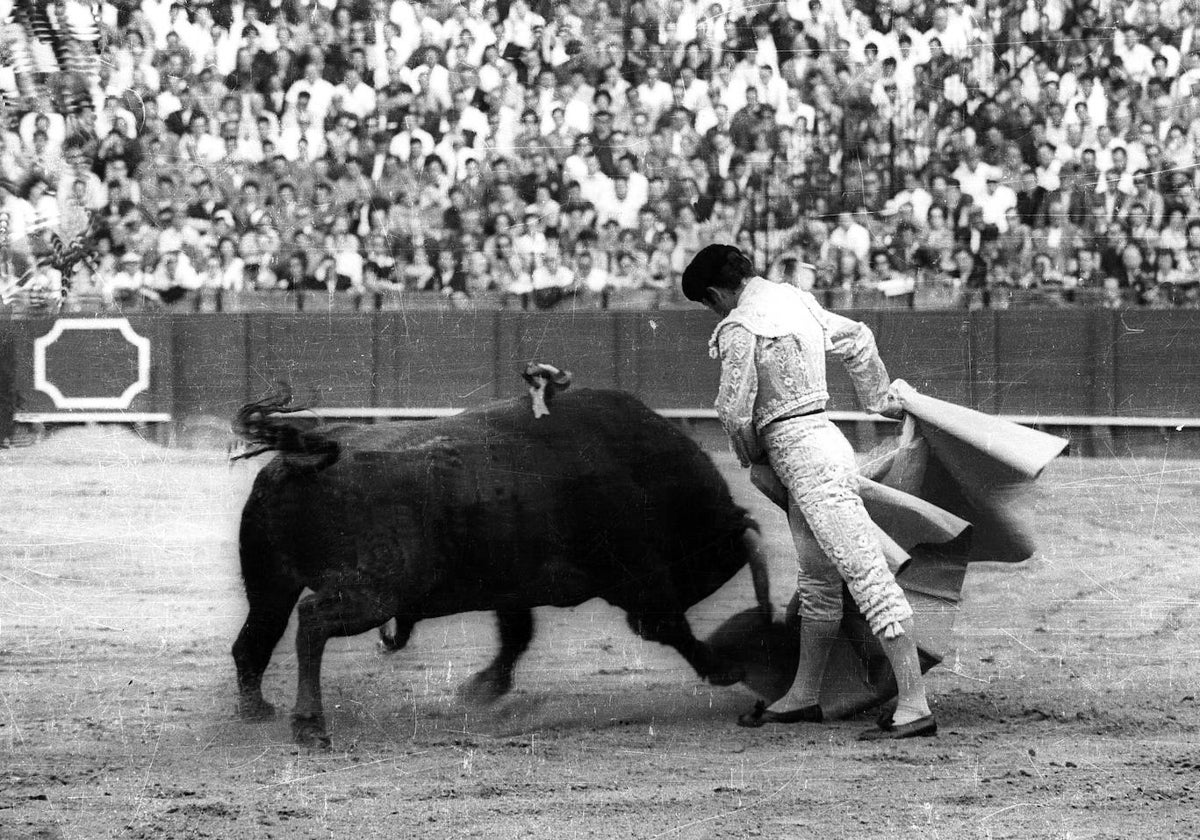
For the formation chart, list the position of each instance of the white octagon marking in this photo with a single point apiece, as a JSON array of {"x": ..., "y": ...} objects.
[{"x": 122, "y": 326}]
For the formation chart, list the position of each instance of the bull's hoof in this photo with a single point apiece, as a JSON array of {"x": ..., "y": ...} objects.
[
  {"x": 255, "y": 709},
  {"x": 309, "y": 731},
  {"x": 390, "y": 642},
  {"x": 485, "y": 688}
]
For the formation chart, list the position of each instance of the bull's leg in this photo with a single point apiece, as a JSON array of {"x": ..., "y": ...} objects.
[
  {"x": 271, "y": 593},
  {"x": 672, "y": 628},
  {"x": 392, "y": 642},
  {"x": 494, "y": 681},
  {"x": 270, "y": 608},
  {"x": 336, "y": 611}
]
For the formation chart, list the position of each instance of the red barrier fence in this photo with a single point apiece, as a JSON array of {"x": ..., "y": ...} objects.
[{"x": 1031, "y": 362}]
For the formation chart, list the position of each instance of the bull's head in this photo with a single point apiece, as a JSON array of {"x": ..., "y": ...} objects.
[{"x": 544, "y": 382}]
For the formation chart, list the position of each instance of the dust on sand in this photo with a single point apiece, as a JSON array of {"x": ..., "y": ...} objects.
[{"x": 1068, "y": 708}]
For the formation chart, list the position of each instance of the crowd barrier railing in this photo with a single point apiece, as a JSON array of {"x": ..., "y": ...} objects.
[{"x": 275, "y": 300}]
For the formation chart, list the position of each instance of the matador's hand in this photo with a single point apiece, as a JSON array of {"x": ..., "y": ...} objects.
[{"x": 893, "y": 405}]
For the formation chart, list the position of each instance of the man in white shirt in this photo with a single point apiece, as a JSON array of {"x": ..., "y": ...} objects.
[
  {"x": 301, "y": 124},
  {"x": 620, "y": 205},
  {"x": 1136, "y": 56},
  {"x": 1136, "y": 148},
  {"x": 914, "y": 195},
  {"x": 200, "y": 145},
  {"x": 174, "y": 277},
  {"x": 1190, "y": 77},
  {"x": 1048, "y": 168},
  {"x": 1091, "y": 93},
  {"x": 594, "y": 185},
  {"x": 410, "y": 131},
  {"x": 551, "y": 273},
  {"x": 520, "y": 24},
  {"x": 639, "y": 184},
  {"x": 320, "y": 92},
  {"x": 795, "y": 109},
  {"x": 695, "y": 90},
  {"x": 972, "y": 174},
  {"x": 431, "y": 76},
  {"x": 850, "y": 236},
  {"x": 655, "y": 94},
  {"x": 685, "y": 15},
  {"x": 952, "y": 38},
  {"x": 355, "y": 96},
  {"x": 590, "y": 276},
  {"x": 1104, "y": 145},
  {"x": 170, "y": 99},
  {"x": 765, "y": 51},
  {"x": 1070, "y": 150},
  {"x": 996, "y": 201},
  {"x": 470, "y": 118},
  {"x": 772, "y": 89}
]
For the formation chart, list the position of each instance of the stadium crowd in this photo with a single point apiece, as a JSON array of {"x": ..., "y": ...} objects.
[{"x": 533, "y": 152}]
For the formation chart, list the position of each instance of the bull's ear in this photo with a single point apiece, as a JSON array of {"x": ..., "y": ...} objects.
[{"x": 561, "y": 378}]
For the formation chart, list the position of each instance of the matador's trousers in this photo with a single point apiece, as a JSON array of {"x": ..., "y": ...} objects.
[{"x": 816, "y": 463}]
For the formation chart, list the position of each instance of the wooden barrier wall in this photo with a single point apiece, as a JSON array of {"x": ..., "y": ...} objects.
[{"x": 1044, "y": 362}]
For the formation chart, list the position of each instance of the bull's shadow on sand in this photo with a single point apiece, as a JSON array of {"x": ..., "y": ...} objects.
[
  {"x": 584, "y": 672},
  {"x": 357, "y": 721}
]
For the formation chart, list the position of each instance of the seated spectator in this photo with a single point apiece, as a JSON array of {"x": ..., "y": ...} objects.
[
  {"x": 448, "y": 275},
  {"x": 552, "y": 281},
  {"x": 418, "y": 273},
  {"x": 174, "y": 278},
  {"x": 966, "y": 272},
  {"x": 345, "y": 250},
  {"x": 381, "y": 272},
  {"x": 666, "y": 262},
  {"x": 850, "y": 236},
  {"x": 478, "y": 281},
  {"x": 847, "y": 272},
  {"x": 1132, "y": 275},
  {"x": 226, "y": 270},
  {"x": 592, "y": 277},
  {"x": 1168, "y": 273},
  {"x": 294, "y": 274},
  {"x": 1041, "y": 274},
  {"x": 626, "y": 275},
  {"x": 884, "y": 278}
]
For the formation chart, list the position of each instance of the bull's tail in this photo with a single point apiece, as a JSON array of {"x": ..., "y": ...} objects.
[{"x": 272, "y": 424}]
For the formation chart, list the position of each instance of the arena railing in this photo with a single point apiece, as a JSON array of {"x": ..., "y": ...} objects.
[
  {"x": 1039, "y": 421},
  {"x": 251, "y": 301}
]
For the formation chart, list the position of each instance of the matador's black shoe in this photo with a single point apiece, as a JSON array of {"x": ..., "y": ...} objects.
[
  {"x": 761, "y": 716},
  {"x": 923, "y": 727}
]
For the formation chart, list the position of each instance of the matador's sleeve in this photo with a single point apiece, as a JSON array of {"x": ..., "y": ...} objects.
[
  {"x": 739, "y": 387},
  {"x": 853, "y": 343}
]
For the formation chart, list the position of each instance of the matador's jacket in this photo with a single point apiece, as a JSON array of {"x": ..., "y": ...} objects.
[{"x": 772, "y": 349}]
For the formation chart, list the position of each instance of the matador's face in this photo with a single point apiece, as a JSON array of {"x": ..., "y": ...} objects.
[{"x": 721, "y": 301}]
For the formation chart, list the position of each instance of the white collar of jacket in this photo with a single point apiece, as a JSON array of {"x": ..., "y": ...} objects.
[{"x": 770, "y": 310}]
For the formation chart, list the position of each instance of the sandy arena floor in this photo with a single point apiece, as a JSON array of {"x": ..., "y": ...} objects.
[{"x": 1069, "y": 709}]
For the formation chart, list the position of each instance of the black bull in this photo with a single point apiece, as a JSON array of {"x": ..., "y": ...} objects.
[{"x": 492, "y": 509}]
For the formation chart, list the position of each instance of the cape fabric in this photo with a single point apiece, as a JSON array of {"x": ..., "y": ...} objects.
[{"x": 949, "y": 491}]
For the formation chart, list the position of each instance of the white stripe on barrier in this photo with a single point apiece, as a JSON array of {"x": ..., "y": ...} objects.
[
  {"x": 837, "y": 416},
  {"x": 398, "y": 413},
  {"x": 91, "y": 417}
]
